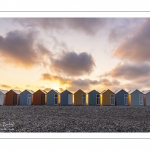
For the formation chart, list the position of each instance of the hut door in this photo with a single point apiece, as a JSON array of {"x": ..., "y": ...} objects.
[
  {"x": 140, "y": 99},
  {"x": 97, "y": 99},
  {"x": 15, "y": 99},
  {"x": 83, "y": 99},
  {"x": 42, "y": 99},
  {"x": 125, "y": 99},
  {"x": 112, "y": 99},
  {"x": 55, "y": 99},
  {"x": 29, "y": 99},
  {"x": 70, "y": 99}
]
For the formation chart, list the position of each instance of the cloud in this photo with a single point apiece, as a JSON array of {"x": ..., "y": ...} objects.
[
  {"x": 5, "y": 86},
  {"x": 20, "y": 48},
  {"x": 89, "y": 26},
  {"x": 72, "y": 63},
  {"x": 136, "y": 47},
  {"x": 71, "y": 84},
  {"x": 123, "y": 28},
  {"x": 137, "y": 73}
]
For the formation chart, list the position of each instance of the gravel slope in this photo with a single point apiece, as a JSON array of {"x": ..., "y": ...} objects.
[{"x": 74, "y": 119}]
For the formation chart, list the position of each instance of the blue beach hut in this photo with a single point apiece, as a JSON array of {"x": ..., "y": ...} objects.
[
  {"x": 93, "y": 98},
  {"x": 66, "y": 98},
  {"x": 53, "y": 98},
  {"x": 121, "y": 97},
  {"x": 26, "y": 97}
]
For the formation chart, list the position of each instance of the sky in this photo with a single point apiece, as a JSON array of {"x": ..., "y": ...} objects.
[{"x": 75, "y": 53}]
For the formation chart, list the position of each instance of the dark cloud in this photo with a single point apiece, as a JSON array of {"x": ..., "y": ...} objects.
[
  {"x": 19, "y": 48},
  {"x": 136, "y": 47},
  {"x": 132, "y": 72},
  {"x": 71, "y": 63}
]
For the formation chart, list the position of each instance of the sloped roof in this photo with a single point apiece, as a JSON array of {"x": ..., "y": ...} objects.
[
  {"x": 80, "y": 90},
  {"x": 44, "y": 91},
  {"x": 66, "y": 91},
  {"x": 17, "y": 91},
  {"x": 103, "y": 91},
  {"x": 30, "y": 91},
  {"x": 92, "y": 91},
  {"x": 4, "y": 91},
  {"x": 54, "y": 91},
  {"x": 131, "y": 91},
  {"x": 117, "y": 91},
  {"x": 146, "y": 91}
]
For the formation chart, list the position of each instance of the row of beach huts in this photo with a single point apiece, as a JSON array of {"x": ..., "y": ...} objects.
[{"x": 53, "y": 97}]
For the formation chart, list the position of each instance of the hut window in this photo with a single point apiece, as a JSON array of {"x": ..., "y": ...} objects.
[
  {"x": 56, "y": 99},
  {"x": 97, "y": 99},
  {"x": 112, "y": 100},
  {"x": 83, "y": 99},
  {"x": 140, "y": 99}
]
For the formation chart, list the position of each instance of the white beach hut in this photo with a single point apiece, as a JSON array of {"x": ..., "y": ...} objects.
[{"x": 2, "y": 96}]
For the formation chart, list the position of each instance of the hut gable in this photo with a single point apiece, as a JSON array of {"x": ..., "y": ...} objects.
[
  {"x": 3, "y": 91},
  {"x": 107, "y": 98},
  {"x": 12, "y": 97},
  {"x": 121, "y": 97},
  {"x": 135, "y": 98},
  {"x": 93, "y": 98},
  {"x": 26, "y": 97},
  {"x": 39, "y": 97},
  {"x": 79, "y": 97},
  {"x": 53, "y": 97},
  {"x": 66, "y": 98}
]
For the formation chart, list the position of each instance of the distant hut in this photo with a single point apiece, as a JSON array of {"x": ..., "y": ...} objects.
[
  {"x": 79, "y": 98},
  {"x": 93, "y": 98},
  {"x": 107, "y": 98},
  {"x": 26, "y": 97},
  {"x": 121, "y": 97},
  {"x": 53, "y": 98},
  {"x": 146, "y": 96},
  {"x": 135, "y": 98},
  {"x": 39, "y": 97},
  {"x": 12, "y": 97},
  {"x": 66, "y": 98},
  {"x": 2, "y": 96}
]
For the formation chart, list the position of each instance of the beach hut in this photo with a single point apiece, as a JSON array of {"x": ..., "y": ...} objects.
[
  {"x": 107, "y": 98},
  {"x": 121, "y": 97},
  {"x": 2, "y": 96},
  {"x": 146, "y": 97},
  {"x": 26, "y": 97},
  {"x": 135, "y": 98},
  {"x": 12, "y": 97},
  {"x": 93, "y": 98},
  {"x": 66, "y": 98},
  {"x": 39, "y": 97},
  {"x": 53, "y": 98},
  {"x": 79, "y": 98}
]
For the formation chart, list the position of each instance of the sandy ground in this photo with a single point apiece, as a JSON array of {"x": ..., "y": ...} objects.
[{"x": 74, "y": 119}]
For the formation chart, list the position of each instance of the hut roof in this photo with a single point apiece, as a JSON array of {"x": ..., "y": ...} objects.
[
  {"x": 30, "y": 91},
  {"x": 93, "y": 90},
  {"x": 117, "y": 91},
  {"x": 3, "y": 91},
  {"x": 146, "y": 91},
  {"x": 131, "y": 91},
  {"x": 17, "y": 91}
]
